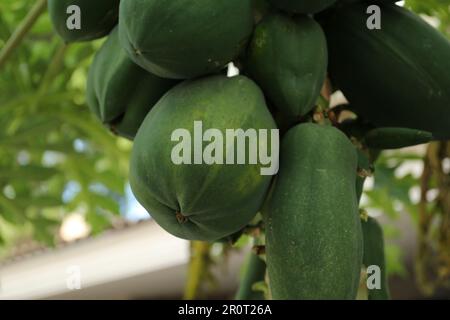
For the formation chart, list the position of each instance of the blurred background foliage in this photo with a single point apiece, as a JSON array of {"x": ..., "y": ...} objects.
[
  {"x": 56, "y": 159},
  {"x": 439, "y": 9}
]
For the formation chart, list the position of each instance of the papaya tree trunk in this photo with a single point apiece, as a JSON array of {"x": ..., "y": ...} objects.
[{"x": 198, "y": 269}]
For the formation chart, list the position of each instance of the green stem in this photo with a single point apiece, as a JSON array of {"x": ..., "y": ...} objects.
[
  {"x": 197, "y": 269},
  {"x": 18, "y": 35}
]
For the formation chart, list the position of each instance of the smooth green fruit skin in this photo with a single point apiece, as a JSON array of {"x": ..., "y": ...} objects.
[
  {"x": 302, "y": 6},
  {"x": 260, "y": 9},
  {"x": 98, "y": 18},
  {"x": 232, "y": 238},
  {"x": 216, "y": 200},
  {"x": 119, "y": 92},
  {"x": 374, "y": 255},
  {"x": 391, "y": 78},
  {"x": 184, "y": 39},
  {"x": 288, "y": 58},
  {"x": 255, "y": 271},
  {"x": 313, "y": 229},
  {"x": 396, "y": 138}
]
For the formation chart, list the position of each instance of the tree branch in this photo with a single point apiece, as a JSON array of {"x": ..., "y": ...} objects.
[{"x": 18, "y": 35}]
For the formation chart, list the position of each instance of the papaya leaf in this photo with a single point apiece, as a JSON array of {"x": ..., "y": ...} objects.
[
  {"x": 30, "y": 172},
  {"x": 45, "y": 230},
  {"x": 11, "y": 211},
  {"x": 97, "y": 221},
  {"x": 40, "y": 201},
  {"x": 2, "y": 241},
  {"x": 394, "y": 257},
  {"x": 105, "y": 202}
]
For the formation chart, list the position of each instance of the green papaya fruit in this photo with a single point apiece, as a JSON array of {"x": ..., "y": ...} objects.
[
  {"x": 97, "y": 18},
  {"x": 254, "y": 271},
  {"x": 302, "y": 6},
  {"x": 201, "y": 199},
  {"x": 260, "y": 9},
  {"x": 119, "y": 92},
  {"x": 288, "y": 59},
  {"x": 184, "y": 39},
  {"x": 232, "y": 238},
  {"x": 393, "y": 79},
  {"x": 374, "y": 256},
  {"x": 396, "y": 138},
  {"x": 313, "y": 229}
]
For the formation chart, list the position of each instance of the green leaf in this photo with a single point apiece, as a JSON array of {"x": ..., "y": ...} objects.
[
  {"x": 380, "y": 199},
  {"x": 45, "y": 229},
  {"x": 394, "y": 258},
  {"x": 41, "y": 201},
  {"x": 110, "y": 180},
  {"x": 29, "y": 173},
  {"x": 105, "y": 203},
  {"x": 2, "y": 241},
  {"x": 11, "y": 211},
  {"x": 97, "y": 221}
]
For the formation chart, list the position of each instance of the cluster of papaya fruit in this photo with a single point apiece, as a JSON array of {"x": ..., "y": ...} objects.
[{"x": 163, "y": 67}]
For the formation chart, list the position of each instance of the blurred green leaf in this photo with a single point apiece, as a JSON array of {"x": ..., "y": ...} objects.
[
  {"x": 29, "y": 172},
  {"x": 48, "y": 136},
  {"x": 45, "y": 230},
  {"x": 11, "y": 211},
  {"x": 433, "y": 8},
  {"x": 105, "y": 202},
  {"x": 98, "y": 222},
  {"x": 395, "y": 264},
  {"x": 2, "y": 240}
]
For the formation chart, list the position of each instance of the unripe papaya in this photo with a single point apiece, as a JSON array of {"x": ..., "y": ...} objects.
[
  {"x": 391, "y": 78},
  {"x": 374, "y": 256},
  {"x": 396, "y": 138},
  {"x": 232, "y": 238},
  {"x": 254, "y": 271},
  {"x": 288, "y": 59},
  {"x": 303, "y": 6},
  {"x": 313, "y": 229},
  {"x": 184, "y": 39},
  {"x": 119, "y": 92},
  {"x": 97, "y": 18},
  {"x": 260, "y": 9},
  {"x": 200, "y": 197}
]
